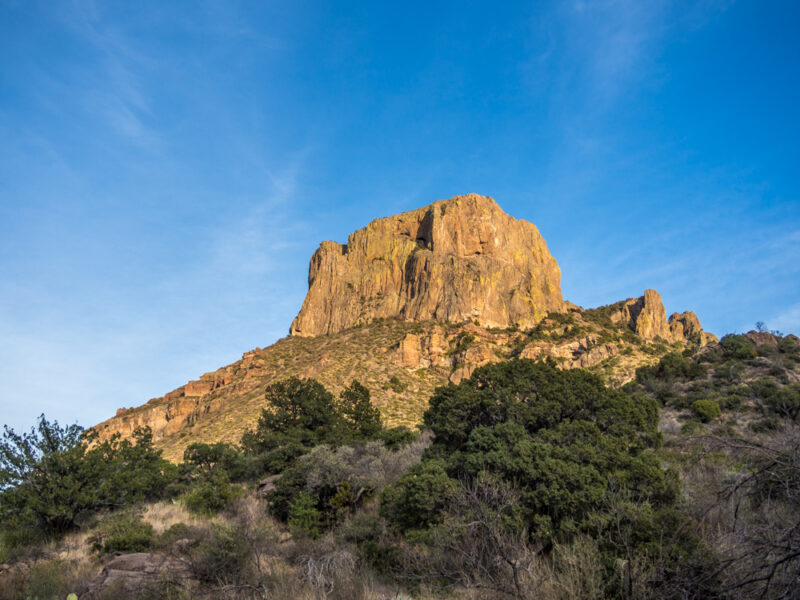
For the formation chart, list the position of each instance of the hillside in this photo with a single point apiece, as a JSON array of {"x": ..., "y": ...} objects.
[
  {"x": 410, "y": 303},
  {"x": 744, "y": 384}
]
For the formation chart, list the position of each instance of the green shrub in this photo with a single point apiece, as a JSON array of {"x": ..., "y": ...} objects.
[
  {"x": 691, "y": 427},
  {"x": 396, "y": 437},
  {"x": 737, "y": 346},
  {"x": 210, "y": 496},
  {"x": 706, "y": 410},
  {"x": 303, "y": 414},
  {"x": 785, "y": 402},
  {"x": 53, "y": 476},
  {"x": 209, "y": 458},
  {"x": 124, "y": 532},
  {"x": 418, "y": 499},
  {"x": 395, "y": 385},
  {"x": 340, "y": 479},
  {"x": 304, "y": 517},
  {"x": 673, "y": 366},
  {"x": 220, "y": 556}
]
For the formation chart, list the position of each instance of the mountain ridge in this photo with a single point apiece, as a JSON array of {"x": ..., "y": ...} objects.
[{"x": 402, "y": 345}]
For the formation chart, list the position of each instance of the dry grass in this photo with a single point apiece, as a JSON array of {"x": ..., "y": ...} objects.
[{"x": 163, "y": 515}]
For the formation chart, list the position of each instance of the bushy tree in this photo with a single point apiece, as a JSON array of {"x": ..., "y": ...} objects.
[
  {"x": 562, "y": 437},
  {"x": 360, "y": 415},
  {"x": 301, "y": 414},
  {"x": 207, "y": 459},
  {"x": 706, "y": 410},
  {"x": 53, "y": 475}
]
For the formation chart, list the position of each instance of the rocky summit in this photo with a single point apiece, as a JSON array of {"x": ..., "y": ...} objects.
[
  {"x": 416, "y": 301},
  {"x": 452, "y": 261}
]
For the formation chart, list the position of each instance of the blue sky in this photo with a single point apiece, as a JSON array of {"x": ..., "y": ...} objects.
[{"x": 167, "y": 169}]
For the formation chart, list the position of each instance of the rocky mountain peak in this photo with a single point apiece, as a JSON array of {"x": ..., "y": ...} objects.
[
  {"x": 451, "y": 261},
  {"x": 647, "y": 317}
]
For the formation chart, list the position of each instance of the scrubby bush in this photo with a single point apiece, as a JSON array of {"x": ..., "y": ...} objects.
[
  {"x": 304, "y": 518},
  {"x": 123, "y": 532},
  {"x": 44, "y": 581},
  {"x": 706, "y": 410},
  {"x": 397, "y": 437},
  {"x": 737, "y": 346},
  {"x": 341, "y": 479},
  {"x": 672, "y": 367},
  {"x": 207, "y": 459},
  {"x": 221, "y": 556},
  {"x": 211, "y": 495},
  {"x": 419, "y": 498},
  {"x": 782, "y": 401}
]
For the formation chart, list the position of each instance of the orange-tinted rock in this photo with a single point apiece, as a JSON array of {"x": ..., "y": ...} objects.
[
  {"x": 452, "y": 261},
  {"x": 198, "y": 388},
  {"x": 684, "y": 326},
  {"x": 762, "y": 338},
  {"x": 645, "y": 315}
]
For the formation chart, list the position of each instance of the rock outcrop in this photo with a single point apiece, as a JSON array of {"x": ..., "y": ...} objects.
[
  {"x": 455, "y": 260},
  {"x": 143, "y": 574},
  {"x": 647, "y": 317}
]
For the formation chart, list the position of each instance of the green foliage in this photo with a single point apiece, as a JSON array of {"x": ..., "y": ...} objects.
[
  {"x": 45, "y": 581},
  {"x": 304, "y": 517},
  {"x": 220, "y": 556},
  {"x": 672, "y": 367},
  {"x": 358, "y": 412},
  {"x": 211, "y": 495},
  {"x": 341, "y": 479},
  {"x": 207, "y": 459},
  {"x": 50, "y": 477},
  {"x": 561, "y": 437},
  {"x": 299, "y": 407},
  {"x": 602, "y": 314},
  {"x": 419, "y": 498},
  {"x": 303, "y": 414},
  {"x": 706, "y": 410},
  {"x": 124, "y": 532},
  {"x": 396, "y": 437},
  {"x": 737, "y": 346},
  {"x": 463, "y": 341},
  {"x": 395, "y": 385},
  {"x": 782, "y": 401}
]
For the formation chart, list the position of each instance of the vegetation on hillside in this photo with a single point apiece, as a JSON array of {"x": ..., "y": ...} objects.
[{"x": 525, "y": 481}]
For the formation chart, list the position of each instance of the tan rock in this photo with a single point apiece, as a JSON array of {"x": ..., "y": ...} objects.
[
  {"x": 472, "y": 358},
  {"x": 198, "y": 388},
  {"x": 409, "y": 353},
  {"x": 140, "y": 573},
  {"x": 761, "y": 338},
  {"x": 452, "y": 261},
  {"x": 684, "y": 326},
  {"x": 645, "y": 315}
]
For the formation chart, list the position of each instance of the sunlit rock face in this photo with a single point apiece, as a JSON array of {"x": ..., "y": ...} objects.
[{"x": 452, "y": 261}]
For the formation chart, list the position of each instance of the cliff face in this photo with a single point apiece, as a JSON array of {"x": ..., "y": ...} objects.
[{"x": 452, "y": 261}]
